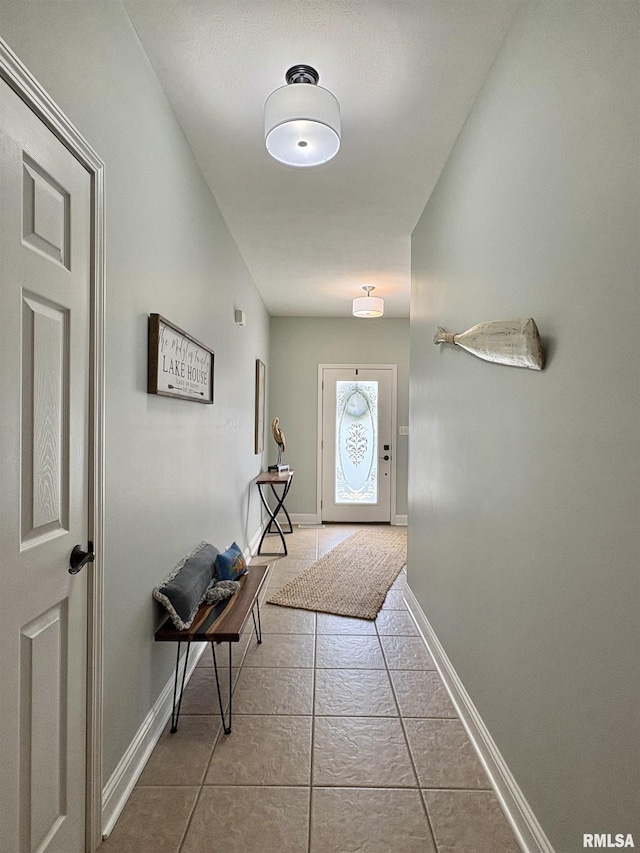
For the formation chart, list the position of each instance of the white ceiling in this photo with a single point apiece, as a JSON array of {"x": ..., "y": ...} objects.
[{"x": 406, "y": 73}]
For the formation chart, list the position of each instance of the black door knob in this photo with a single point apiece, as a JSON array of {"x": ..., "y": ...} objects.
[
  {"x": 386, "y": 458},
  {"x": 79, "y": 558}
]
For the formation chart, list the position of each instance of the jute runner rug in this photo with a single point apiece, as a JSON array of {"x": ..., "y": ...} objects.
[{"x": 351, "y": 580}]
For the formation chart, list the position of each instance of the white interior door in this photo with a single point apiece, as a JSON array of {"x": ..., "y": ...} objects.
[
  {"x": 356, "y": 443},
  {"x": 45, "y": 232}
]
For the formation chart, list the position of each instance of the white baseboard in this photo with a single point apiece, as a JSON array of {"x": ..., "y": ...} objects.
[
  {"x": 314, "y": 518},
  {"x": 305, "y": 518},
  {"x": 524, "y": 823},
  {"x": 123, "y": 779},
  {"x": 252, "y": 547}
]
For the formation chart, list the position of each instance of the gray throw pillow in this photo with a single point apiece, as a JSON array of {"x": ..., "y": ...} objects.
[{"x": 183, "y": 590}]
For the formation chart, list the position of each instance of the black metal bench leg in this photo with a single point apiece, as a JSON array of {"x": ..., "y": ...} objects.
[
  {"x": 175, "y": 713},
  {"x": 226, "y": 728},
  {"x": 228, "y": 732},
  {"x": 257, "y": 625}
]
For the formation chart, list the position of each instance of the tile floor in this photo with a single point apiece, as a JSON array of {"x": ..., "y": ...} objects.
[{"x": 344, "y": 741}]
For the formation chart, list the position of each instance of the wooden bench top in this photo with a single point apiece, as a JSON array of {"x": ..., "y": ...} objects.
[{"x": 223, "y": 621}]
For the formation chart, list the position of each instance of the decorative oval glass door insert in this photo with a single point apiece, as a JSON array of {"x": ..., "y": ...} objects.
[{"x": 356, "y": 442}]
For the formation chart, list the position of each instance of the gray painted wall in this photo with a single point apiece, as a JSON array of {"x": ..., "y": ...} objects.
[
  {"x": 298, "y": 346},
  {"x": 177, "y": 472},
  {"x": 523, "y": 497}
]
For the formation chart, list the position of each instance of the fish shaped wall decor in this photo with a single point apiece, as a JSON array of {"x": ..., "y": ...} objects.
[{"x": 513, "y": 342}]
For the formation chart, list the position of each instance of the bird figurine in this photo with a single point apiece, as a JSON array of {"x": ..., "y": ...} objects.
[{"x": 278, "y": 437}]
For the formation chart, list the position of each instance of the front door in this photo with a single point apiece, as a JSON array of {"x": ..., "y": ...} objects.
[
  {"x": 45, "y": 232},
  {"x": 356, "y": 443}
]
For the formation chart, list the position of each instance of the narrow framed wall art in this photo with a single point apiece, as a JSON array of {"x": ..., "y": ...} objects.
[
  {"x": 179, "y": 366},
  {"x": 260, "y": 406}
]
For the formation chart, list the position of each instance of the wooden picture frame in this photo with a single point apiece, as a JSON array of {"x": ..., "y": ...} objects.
[
  {"x": 178, "y": 365},
  {"x": 260, "y": 406}
]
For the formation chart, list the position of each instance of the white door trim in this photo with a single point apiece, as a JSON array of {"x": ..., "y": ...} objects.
[
  {"x": 394, "y": 428},
  {"x": 32, "y": 93}
]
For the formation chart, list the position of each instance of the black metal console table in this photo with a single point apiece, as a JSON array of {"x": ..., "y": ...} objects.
[{"x": 273, "y": 479}]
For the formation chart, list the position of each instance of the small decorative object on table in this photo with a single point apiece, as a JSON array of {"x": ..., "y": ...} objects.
[
  {"x": 513, "y": 342},
  {"x": 278, "y": 437}
]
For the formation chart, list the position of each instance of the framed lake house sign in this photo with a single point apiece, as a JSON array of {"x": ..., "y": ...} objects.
[{"x": 179, "y": 365}]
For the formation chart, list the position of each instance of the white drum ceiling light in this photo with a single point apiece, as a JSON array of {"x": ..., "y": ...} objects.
[
  {"x": 368, "y": 306},
  {"x": 302, "y": 120}
]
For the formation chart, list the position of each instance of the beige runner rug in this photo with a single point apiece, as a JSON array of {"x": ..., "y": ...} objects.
[{"x": 351, "y": 580}]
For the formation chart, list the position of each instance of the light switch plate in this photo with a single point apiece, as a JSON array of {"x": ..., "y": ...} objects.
[{"x": 403, "y": 430}]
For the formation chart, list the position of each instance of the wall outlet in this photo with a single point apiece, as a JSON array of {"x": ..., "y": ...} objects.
[{"x": 403, "y": 430}]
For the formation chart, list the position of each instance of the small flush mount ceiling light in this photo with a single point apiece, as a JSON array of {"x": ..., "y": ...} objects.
[
  {"x": 368, "y": 306},
  {"x": 302, "y": 120}
]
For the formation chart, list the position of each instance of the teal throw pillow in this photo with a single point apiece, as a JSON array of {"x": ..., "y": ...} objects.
[{"x": 231, "y": 565}]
